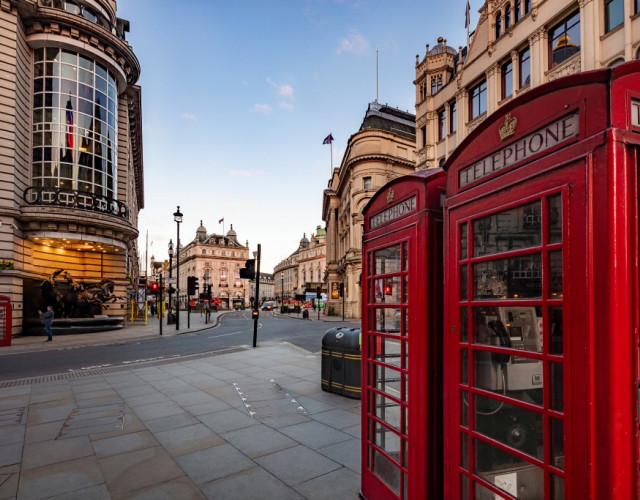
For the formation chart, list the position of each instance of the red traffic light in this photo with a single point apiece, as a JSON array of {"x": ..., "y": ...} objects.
[
  {"x": 388, "y": 289},
  {"x": 154, "y": 287}
]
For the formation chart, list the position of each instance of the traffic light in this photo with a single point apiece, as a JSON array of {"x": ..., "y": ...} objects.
[
  {"x": 192, "y": 285},
  {"x": 341, "y": 289},
  {"x": 318, "y": 293},
  {"x": 388, "y": 289},
  {"x": 154, "y": 287},
  {"x": 249, "y": 270}
]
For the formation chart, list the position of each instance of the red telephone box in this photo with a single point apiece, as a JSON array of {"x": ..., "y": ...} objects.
[
  {"x": 541, "y": 295},
  {"x": 5, "y": 321},
  {"x": 401, "y": 339}
]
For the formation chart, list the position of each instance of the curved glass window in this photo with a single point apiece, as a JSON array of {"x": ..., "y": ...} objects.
[{"x": 74, "y": 123}]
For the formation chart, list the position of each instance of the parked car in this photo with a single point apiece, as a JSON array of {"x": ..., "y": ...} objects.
[{"x": 268, "y": 305}]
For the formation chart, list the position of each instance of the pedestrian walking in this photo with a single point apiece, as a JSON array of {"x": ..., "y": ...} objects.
[
  {"x": 47, "y": 320},
  {"x": 207, "y": 312}
]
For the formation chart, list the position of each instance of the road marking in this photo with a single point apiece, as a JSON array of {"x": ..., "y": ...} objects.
[{"x": 226, "y": 335}]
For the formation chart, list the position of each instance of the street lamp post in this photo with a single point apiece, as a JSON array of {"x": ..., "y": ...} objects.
[
  {"x": 170, "y": 270},
  {"x": 177, "y": 216},
  {"x": 282, "y": 291}
]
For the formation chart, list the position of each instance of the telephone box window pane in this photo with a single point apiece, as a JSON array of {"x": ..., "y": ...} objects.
[
  {"x": 511, "y": 278},
  {"x": 464, "y": 450},
  {"x": 464, "y": 366},
  {"x": 510, "y": 425},
  {"x": 389, "y": 381},
  {"x": 555, "y": 219},
  {"x": 387, "y": 290},
  {"x": 557, "y": 386},
  {"x": 506, "y": 471},
  {"x": 464, "y": 408},
  {"x": 557, "y": 485},
  {"x": 388, "y": 320},
  {"x": 512, "y": 229},
  {"x": 387, "y": 260},
  {"x": 388, "y": 351},
  {"x": 514, "y": 376},
  {"x": 464, "y": 241},
  {"x": 464, "y": 283},
  {"x": 387, "y": 471},
  {"x": 405, "y": 330},
  {"x": 388, "y": 411},
  {"x": 555, "y": 331},
  {"x": 464, "y": 325},
  {"x": 555, "y": 274},
  {"x": 557, "y": 442},
  {"x": 405, "y": 289},
  {"x": 405, "y": 256},
  {"x": 464, "y": 484}
]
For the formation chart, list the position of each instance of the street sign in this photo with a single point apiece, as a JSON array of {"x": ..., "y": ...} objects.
[{"x": 172, "y": 281}]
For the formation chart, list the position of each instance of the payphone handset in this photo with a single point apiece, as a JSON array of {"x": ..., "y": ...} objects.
[{"x": 516, "y": 328}]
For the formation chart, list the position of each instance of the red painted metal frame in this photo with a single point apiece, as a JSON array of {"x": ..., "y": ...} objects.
[
  {"x": 422, "y": 231},
  {"x": 598, "y": 172}
]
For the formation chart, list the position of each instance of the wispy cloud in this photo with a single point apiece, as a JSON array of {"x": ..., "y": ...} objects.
[
  {"x": 354, "y": 42},
  {"x": 261, "y": 108},
  {"x": 190, "y": 117},
  {"x": 247, "y": 174},
  {"x": 286, "y": 93}
]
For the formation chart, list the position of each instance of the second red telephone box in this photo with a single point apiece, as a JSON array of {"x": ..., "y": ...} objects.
[{"x": 401, "y": 339}]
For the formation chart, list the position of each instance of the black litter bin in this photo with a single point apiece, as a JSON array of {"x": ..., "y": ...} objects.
[
  {"x": 341, "y": 358},
  {"x": 305, "y": 314},
  {"x": 171, "y": 318}
]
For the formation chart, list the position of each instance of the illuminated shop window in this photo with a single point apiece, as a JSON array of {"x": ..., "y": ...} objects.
[{"x": 74, "y": 123}]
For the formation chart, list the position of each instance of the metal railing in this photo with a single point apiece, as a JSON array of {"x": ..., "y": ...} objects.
[{"x": 71, "y": 198}]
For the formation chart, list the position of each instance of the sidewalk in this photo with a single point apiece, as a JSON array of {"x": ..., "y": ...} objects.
[{"x": 241, "y": 423}]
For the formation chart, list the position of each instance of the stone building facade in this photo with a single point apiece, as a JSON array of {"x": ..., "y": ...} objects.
[
  {"x": 70, "y": 151},
  {"x": 383, "y": 149},
  {"x": 517, "y": 45},
  {"x": 215, "y": 260},
  {"x": 304, "y": 269},
  {"x": 266, "y": 287}
]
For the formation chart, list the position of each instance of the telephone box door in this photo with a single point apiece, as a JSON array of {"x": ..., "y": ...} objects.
[{"x": 507, "y": 297}]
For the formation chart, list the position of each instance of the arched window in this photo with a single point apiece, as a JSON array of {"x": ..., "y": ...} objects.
[
  {"x": 498, "y": 25},
  {"x": 507, "y": 17},
  {"x": 616, "y": 62}
]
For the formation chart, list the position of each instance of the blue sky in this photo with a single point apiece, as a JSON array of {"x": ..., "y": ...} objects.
[{"x": 238, "y": 95}]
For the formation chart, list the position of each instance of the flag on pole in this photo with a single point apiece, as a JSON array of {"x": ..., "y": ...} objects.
[
  {"x": 467, "y": 16},
  {"x": 328, "y": 139},
  {"x": 221, "y": 221}
]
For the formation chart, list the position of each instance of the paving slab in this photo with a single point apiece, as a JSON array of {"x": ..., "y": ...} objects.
[
  {"x": 243, "y": 485},
  {"x": 127, "y": 472},
  {"x": 297, "y": 465},
  {"x": 60, "y": 478},
  {"x": 214, "y": 463}
]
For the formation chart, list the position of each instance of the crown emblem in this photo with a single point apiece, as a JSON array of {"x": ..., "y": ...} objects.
[
  {"x": 508, "y": 128},
  {"x": 390, "y": 195}
]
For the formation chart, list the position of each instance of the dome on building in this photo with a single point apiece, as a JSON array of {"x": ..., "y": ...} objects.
[
  {"x": 201, "y": 233},
  {"x": 231, "y": 235},
  {"x": 304, "y": 242}
]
